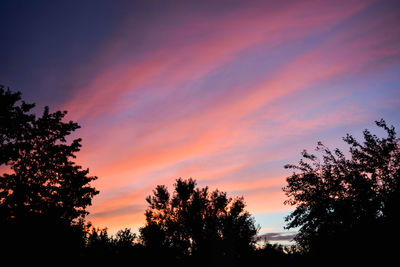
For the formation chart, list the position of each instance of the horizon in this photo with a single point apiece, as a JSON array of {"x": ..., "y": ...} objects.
[{"x": 225, "y": 93}]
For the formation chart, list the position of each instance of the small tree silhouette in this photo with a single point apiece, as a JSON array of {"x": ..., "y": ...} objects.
[{"x": 200, "y": 224}]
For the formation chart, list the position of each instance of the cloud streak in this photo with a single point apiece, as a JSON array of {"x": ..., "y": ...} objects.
[{"x": 280, "y": 236}]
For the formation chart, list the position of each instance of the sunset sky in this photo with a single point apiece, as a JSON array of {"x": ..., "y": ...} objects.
[{"x": 225, "y": 92}]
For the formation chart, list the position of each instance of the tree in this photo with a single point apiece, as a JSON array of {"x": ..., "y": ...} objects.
[
  {"x": 198, "y": 223},
  {"x": 98, "y": 243},
  {"x": 43, "y": 189},
  {"x": 347, "y": 205},
  {"x": 124, "y": 239},
  {"x": 118, "y": 249}
]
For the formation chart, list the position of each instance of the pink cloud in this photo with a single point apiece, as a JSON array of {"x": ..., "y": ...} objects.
[
  {"x": 166, "y": 139},
  {"x": 234, "y": 33}
]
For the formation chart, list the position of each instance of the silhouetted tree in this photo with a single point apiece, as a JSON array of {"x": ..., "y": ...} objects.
[
  {"x": 196, "y": 223},
  {"x": 98, "y": 243},
  {"x": 124, "y": 239},
  {"x": 348, "y": 206},
  {"x": 118, "y": 249},
  {"x": 43, "y": 194}
]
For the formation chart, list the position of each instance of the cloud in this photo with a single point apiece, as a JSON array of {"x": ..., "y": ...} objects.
[
  {"x": 225, "y": 96},
  {"x": 278, "y": 237},
  {"x": 129, "y": 209},
  {"x": 222, "y": 40}
]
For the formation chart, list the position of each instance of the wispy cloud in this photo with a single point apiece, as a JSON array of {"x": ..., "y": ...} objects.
[
  {"x": 226, "y": 97},
  {"x": 280, "y": 236}
]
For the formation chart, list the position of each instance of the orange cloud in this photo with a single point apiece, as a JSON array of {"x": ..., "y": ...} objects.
[{"x": 151, "y": 127}]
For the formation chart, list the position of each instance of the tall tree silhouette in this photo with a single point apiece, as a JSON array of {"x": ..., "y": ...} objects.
[
  {"x": 348, "y": 205},
  {"x": 43, "y": 188},
  {"x": 198, "y": 223}
]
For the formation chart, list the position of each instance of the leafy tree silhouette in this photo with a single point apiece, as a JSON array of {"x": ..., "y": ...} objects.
[
  {"x": 98, "y": 243},
  {"x": 194, "y": 223},
  {"x": 348, "y": 207},
  {"x": 114, "y": 249},
  {"x": 43, "y": 194},
  {"x": 124, "y": 240}
]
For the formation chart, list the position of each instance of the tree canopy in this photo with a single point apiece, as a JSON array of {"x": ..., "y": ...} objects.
[
  {"x": 194, "y": 221},
  {"x": 347, "y": 202},
  {"x": 42, "y": 188}
]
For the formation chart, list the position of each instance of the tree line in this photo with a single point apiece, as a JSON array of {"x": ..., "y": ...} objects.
[{"x": 346, "y": 205}]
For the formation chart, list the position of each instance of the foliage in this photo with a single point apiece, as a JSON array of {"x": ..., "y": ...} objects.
[
  {"x": 44, "y": 179},
  {"x": 197, "y": 222},
  {"x": 43, "y": 190},
  {"x": 347, "y": 203}
]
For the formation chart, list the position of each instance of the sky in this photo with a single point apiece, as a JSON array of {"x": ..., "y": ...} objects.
[{"x": 224, "y": 92}]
